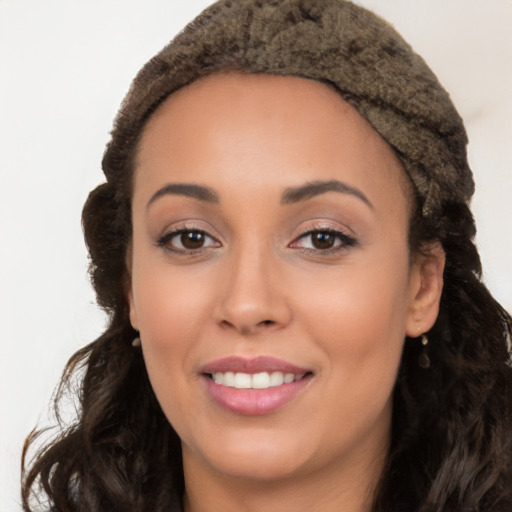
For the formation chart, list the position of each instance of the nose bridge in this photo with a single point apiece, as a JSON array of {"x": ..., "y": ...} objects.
[{"x": 251, "y": 298}]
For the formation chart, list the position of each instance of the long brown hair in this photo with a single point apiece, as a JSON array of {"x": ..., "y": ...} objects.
[{"x": 451, "y": 447}]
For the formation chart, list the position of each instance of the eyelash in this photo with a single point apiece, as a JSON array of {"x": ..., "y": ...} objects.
[
  {"x": 165, "y": 242},
  {"x": 345, "y": 241}
]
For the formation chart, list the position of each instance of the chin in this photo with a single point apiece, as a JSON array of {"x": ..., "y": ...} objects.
[{"x": 256, "y": 457}]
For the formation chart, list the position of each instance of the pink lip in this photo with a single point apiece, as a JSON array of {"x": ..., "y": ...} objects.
[
  {"x": 253, "y": 402},
  {"x": 255, "y": 365}
]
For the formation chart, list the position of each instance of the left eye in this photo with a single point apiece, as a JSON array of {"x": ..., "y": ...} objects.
[
  {"x": 323, "y": 240},
  {"x": 187, "y": 240}
]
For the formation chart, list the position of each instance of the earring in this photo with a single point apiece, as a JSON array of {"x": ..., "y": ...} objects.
[
  {"x": 136, "y": 342},
  {"x": 424, "y": 359}
]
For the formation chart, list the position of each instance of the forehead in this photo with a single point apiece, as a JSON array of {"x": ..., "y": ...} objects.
[{"x": 278, "y": 128}]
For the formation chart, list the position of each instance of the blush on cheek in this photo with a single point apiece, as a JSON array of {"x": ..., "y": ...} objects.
[{"x": 171, "y": 301}]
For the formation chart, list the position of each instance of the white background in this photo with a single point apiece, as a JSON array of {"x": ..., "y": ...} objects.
[{"x": 65, "y": 66}]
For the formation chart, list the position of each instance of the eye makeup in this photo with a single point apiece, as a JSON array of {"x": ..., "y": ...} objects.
[
  {"x": 187, "y": 240},
  {"x": 323, "y": 241}
]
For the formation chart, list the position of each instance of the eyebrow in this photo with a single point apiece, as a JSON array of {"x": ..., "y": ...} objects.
[
  {"x": 290, "y": 195},
  {"x": 185, "y": 189},
  {"x": 315, "y": 188}
]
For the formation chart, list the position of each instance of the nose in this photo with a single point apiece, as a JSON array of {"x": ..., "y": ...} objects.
[{"x": 252, "y": 296}]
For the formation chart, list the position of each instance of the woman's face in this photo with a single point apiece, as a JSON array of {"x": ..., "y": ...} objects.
[{"x": 270, "y": 276}]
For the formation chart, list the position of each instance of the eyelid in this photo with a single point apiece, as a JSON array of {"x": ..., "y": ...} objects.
[
  {"x": 184, "y": 227},
  {"x": 347, "y": 239}
]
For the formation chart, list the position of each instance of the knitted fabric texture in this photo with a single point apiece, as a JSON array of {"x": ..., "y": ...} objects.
[{"x": 331, "y": 41}]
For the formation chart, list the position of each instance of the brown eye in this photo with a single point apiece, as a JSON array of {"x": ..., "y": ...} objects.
[
  {"x": 187, "y": 241},
  {"x": 192, "y": 239},
  {"x": 323, "y": 240}
]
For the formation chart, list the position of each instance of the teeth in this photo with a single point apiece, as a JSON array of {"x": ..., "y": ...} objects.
[
  {"x": 276, "y": 379},
  {"x": 288, "y": 377},
  {"x": 261, "y": 380},
  {"x": 243, "y": 381}
]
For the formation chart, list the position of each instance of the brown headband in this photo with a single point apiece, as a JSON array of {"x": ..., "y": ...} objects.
[{"x": 331, "y": 41}]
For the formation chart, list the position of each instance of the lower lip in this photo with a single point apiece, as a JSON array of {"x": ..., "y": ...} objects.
[{"x": 254, "y": 402}]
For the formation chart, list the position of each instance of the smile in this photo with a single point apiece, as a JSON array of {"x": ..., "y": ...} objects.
[
  {"x": 254, "y": 386},
  {"x": 262, "y": 380}
]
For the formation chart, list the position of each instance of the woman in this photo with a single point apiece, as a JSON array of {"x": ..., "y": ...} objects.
[{"x": 284, "y": 246}]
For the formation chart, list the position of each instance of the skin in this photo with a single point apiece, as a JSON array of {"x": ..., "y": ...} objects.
[{"x": 259, "y": 286}]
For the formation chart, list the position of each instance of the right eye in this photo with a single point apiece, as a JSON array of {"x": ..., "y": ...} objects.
[{"x": 187, "y": 240}]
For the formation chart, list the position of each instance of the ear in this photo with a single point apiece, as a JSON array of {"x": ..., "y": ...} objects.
[
  {"x": 133, "y": 312},
  {"x": 129, "y": 288},
  {"x": 425, "y": 288}
]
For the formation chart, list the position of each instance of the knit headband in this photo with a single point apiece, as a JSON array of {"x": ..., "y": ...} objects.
[{"x": 331, "y": 41}]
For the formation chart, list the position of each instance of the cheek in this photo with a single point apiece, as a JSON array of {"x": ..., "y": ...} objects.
[
  {"x": 172, "y": 306},
  {"x": 170, "y": 302},
  {"x": 358, "y": 319},
  {"x": 363, "y": 303}
]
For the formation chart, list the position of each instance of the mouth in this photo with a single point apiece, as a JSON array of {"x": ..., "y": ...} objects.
[
  {"x": 254, "y": 386},
  {"x": 261, "y": 380}
]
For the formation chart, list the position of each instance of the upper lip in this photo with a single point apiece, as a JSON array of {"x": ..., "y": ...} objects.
[{"x": 253, "y": 365}]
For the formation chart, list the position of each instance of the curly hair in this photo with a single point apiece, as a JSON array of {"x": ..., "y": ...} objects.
[{"x": 451, "y": 446}]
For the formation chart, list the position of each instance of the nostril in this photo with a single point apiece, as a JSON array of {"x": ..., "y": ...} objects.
[
  {"x": 247, "y": 329},
  {"x": 225, "y": 323}
]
